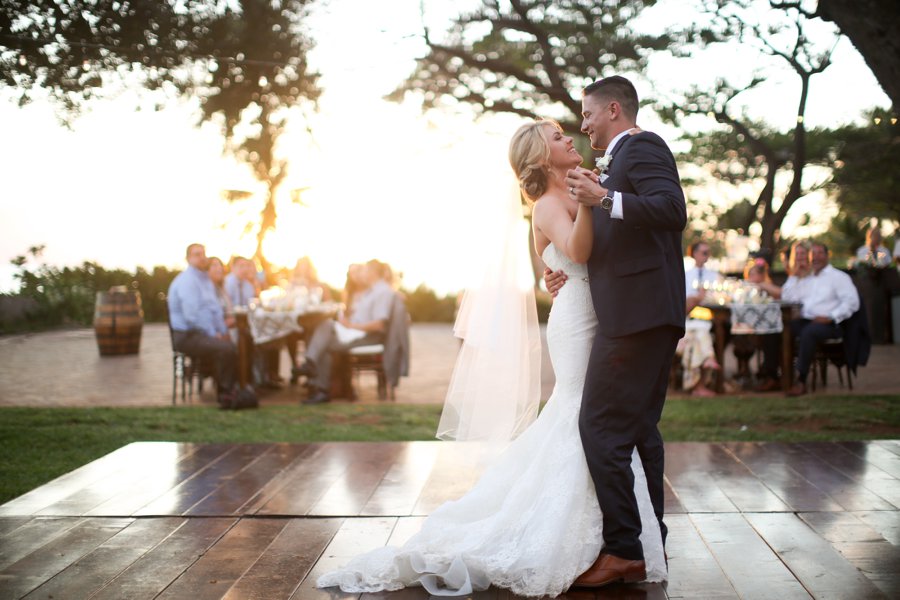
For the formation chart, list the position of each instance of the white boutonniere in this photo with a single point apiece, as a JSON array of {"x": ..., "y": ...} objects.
[{"x": 603, "y": 163}]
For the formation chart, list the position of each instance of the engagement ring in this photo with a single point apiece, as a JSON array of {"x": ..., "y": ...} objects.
[{"x": 571, "y": 190}]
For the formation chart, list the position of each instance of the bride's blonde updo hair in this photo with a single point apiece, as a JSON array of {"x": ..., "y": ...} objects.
[{"x": 529, "y": 156}]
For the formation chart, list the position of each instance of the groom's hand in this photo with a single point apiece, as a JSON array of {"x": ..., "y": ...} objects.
[
  {"x": 554, "y": 280},
  {"x": 584, "y": 186}
]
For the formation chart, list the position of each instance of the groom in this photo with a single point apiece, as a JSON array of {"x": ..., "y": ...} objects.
[{"x": 637, "y": 285}]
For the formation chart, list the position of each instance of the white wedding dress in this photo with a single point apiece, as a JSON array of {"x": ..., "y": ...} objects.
[{"x": 532, "y": 522}]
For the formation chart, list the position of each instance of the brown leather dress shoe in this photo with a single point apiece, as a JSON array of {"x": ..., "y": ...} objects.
[
  {"x": 798, "y": 389},
  {"x": 609, "y": 569}
]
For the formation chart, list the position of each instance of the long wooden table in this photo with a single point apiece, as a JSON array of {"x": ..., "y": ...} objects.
[
  {"x": 245, "y": 343},
  {"x": 721, "y": 314}
]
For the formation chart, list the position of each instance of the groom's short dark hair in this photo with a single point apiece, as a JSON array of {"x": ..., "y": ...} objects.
[{"x": 616, "y": 88}]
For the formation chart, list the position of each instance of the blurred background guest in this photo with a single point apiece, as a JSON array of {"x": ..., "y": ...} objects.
[
  {"x": 873, "y": 252},
  {"x": 696, "y": 347},
  {"x": 757, "y": 273},
  {"x": 238, "y": 283},
  {"x": 198, "y": 322},
  {"x": 217, "y": 276},
  {"x": 699, "y": 276}
]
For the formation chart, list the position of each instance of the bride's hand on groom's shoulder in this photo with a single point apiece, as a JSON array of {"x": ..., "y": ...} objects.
[{"x": 554, "y": 280}]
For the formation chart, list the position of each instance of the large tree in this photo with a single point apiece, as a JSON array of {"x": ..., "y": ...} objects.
[
  {"x": 245, "y": 60},
  {"x": 742, "y": 149},
  {"x": 873, "y": 27},
  {"x": 529, "y": 57}
]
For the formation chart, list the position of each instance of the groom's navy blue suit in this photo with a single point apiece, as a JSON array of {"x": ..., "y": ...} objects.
[{"x": 637, "y": 285}]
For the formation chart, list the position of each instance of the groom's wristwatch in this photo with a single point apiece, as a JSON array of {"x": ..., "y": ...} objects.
[{"x": 606, "y": 203}]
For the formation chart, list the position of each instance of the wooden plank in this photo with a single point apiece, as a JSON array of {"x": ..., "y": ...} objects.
[
  {"x": 154, "y": 571},
  {"x": 844, "y": 490},
  {"x": 878, "y": 562},
  {"x": 221, "y": 566},
  {"x": 751, "y": 566},
  {"x": 355, "y": 536},
  {"x": 857, "y": 468},
  {"x": 160, "y": 476},
  {"x": 880, "y": 457},
  {"x": 353, "y": 488},
  {"x": 766, "y": 462},
  {"x": 840, "y": 527},
  {"x": 456, "y": 469},
  {"x": 34, "y": 569},
  {"x": 739, "y": 484},
  {"x": 120, "y": 482},
  {"x": 82, "y": 477},
  {"x": 305, "y": 482},
  {"x": 689, "y": 469},
  {"x": 238, "y": 491},
  {"x": 31, "y": 536},
  {"x": 287, "y": 560},
  {"x": 693, "y": 570},
  {"x": 10, "y": 524},
  {"x": 822, "y": 570},
  {"x": 672, "y": 504},
  {"x": 401, "y": 487},
  {"x": 183, "y": 496},
  {"x": 863, "y": 547},
  {"x": 886, "y": 523},
  {"x": 97, "y": 568},
  {"x": 889, "y": 445}
]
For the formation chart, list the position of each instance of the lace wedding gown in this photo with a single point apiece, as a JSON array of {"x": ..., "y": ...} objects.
[{"x": 532, "y": 522}]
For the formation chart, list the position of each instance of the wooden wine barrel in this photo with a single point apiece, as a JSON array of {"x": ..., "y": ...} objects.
[{"x": 118, "y": 320}]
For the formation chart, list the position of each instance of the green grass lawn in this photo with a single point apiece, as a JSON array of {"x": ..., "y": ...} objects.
[{"x": 38, "y": 444}]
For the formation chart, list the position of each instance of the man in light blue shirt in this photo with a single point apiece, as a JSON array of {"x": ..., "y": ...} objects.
[
  {"x": 198, "y": 323},
  {"x": 237, "y": 285}
]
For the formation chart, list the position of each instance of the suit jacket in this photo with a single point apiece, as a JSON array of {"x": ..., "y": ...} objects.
[
  {"x": 396, "y": 342},
  {"x": 636, "y": 271}
]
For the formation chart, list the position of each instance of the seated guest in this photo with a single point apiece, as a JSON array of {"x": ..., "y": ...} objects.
[
  {"x": 793, "y": 290},
  {"x": 305, "y": 275},
  {"x": 238, "y": 283},
  {"x": 699, "y": 276},
  {"x": 217, "y": 276},
  {"x": 696, "y": 347},
  {"x": 198, "y": 322},
  {"x": 829, "y": 298},
  {"x": 757, "y": 273},
  {"x": 873, "y": 253},
  {"x": 353, "y": 286},
  {"x": 363, "y": 324}
]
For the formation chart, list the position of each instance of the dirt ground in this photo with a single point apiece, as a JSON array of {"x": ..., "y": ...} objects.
[{"x": 64, "y": 368}]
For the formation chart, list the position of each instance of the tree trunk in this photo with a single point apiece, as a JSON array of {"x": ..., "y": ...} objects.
[{"x": 874, "y": 28}]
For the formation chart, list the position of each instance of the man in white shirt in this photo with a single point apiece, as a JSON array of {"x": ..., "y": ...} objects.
[{"x": 829, "y": 298}]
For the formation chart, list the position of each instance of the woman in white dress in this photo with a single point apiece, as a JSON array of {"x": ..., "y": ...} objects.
[{"x": 532, "y": 523}]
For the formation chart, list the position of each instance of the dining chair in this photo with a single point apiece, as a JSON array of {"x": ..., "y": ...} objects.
[
  {"x": 830, "y": 351},
  {"x": 185, "y": 368}
]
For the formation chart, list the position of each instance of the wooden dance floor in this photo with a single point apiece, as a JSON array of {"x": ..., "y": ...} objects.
[{"x": 167, "y": 520}]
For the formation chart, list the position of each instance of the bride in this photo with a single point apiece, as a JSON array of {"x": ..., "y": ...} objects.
[{"x": 532, "y": 523}]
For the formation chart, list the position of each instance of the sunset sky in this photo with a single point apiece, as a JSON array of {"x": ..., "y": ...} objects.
[{"x": 127, "y": 188}]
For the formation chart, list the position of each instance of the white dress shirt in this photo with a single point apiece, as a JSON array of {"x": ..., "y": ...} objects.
[
  {"x": 617, "y": 212},
  {"x": 795, "y": 288},
  {"x": 830, "y": 293},
  {"x": 698, "y": 276}
]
